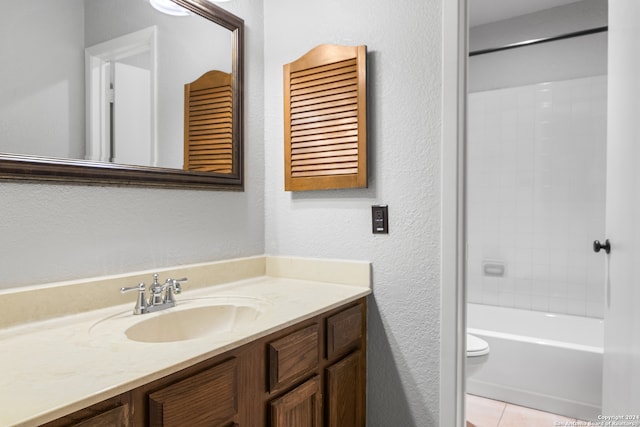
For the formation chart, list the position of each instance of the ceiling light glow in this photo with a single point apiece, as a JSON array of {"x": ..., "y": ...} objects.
[{"x": 169, "y": 7}]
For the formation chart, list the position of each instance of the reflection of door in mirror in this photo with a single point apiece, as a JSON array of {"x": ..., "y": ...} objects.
[
  {"x": 132, "y": 116},
  {"x": 121, "y": 89}
]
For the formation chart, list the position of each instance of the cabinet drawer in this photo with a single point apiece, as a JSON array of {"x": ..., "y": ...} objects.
[
  {"x": 293, "y": 356},
  {"x": 344, "y": 331},
  {"x": 205, "y": 399}
]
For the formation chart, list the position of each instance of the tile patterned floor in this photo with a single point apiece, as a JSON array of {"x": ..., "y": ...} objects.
[{"x": 482, "y": 412}]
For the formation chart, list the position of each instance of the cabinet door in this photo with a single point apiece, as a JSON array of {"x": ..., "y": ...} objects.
[
  {"x": 205, "y": 399},
  {"x": 345, "y": 398},
  {"x": 301, "y": 407}
]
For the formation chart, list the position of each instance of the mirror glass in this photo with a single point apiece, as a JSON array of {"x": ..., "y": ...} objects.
[{"x": 101, "y": 84}]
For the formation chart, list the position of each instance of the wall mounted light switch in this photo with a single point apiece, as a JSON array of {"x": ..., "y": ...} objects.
[{"x": 380, "y": 219}]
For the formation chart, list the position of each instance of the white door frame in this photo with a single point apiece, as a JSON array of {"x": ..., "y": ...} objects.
[
  {"x": 621, "y": 362},
  {"x": 452, "y": 283},
  {"x": 97, "y": 91}
]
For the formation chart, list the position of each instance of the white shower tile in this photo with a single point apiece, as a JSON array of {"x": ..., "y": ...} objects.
[
  {"x": 543, "y": 94},
  {"x": 540, "y": 239},
  {"x": 506, "y": 299},
  {"x": 578, "y": 277},
  {"x": 508, "y": 283},
  {"x": 545, "y": 113},
  {"x": 577, "y": 265},
  {"x": 557, "y": 289},
  {"x": 541, "y": 256},
  {"x": 562, "y": 95},
  {"x": 540, "y": 285},
  {"x": 522, "y": 301},
  {"x": 595, "y": 293},
  {"x": 557, "y": 305},
  {"x": 522, "y": 269},
  {"x": 558, "y": 255},
  {"x": 508, "y": 99},
  {"x": 526, "y": 96},
  {"x": 536, "y": 162},
  {"x": 524, "y": 255},
  {"x": 507, "y": 240},
  {"x": 490, "y": 298}
]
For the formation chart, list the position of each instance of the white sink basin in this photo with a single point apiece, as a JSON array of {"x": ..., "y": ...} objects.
[{"x": 189, "y": 319}]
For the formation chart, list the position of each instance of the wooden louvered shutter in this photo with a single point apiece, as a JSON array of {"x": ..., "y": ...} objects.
[
  {"x": 325, "y": 119},
  {"x": 208, "y": 123}
]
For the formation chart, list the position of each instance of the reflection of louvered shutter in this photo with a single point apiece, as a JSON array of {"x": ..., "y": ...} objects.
[
  {"x": 208, "y": 129},
  {"x": 325, "y": 119}
]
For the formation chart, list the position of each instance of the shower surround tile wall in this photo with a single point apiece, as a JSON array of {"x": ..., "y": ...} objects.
[{"x": 536, "y": 195}]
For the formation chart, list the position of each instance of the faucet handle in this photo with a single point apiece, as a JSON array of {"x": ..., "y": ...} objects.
[
  {"x": 141, "y": 301},
  {"x": 139, "y": 287},
  {"x": 176, "y": 284},
  {"x": 172, "y": 286}
]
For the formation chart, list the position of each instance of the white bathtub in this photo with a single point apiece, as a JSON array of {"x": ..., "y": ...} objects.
[{"x": 551, "y": 362}]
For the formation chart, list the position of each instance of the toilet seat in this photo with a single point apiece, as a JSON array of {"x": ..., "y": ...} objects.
[{"x": 476, "y": 346}]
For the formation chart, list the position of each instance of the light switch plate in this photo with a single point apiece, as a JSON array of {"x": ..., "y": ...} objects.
[{"x": 380, "y": 219}]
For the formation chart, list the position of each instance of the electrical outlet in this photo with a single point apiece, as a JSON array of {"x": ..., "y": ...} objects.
[{"x": 380, "y": 219}]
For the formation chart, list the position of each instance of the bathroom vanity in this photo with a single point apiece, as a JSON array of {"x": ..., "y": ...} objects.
[
  {"x": 311, "y": 371},
  {"x": 300, "y": 356}
]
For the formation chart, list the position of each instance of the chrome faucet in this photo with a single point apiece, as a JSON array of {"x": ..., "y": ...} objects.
[{"x": 161, "y": 297}]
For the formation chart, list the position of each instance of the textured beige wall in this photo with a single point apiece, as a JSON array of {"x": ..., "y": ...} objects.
[
  {"x": 404, "y": 60},
  {"x": 51, "y": 233}
]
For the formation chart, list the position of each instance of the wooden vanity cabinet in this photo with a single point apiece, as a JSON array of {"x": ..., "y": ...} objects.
[
  {"x": 324, "y": 369},
  {"x": 311, "y": 374}
]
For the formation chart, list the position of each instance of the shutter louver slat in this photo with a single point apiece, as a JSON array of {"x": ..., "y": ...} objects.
[{"x": 320, "y": 146}]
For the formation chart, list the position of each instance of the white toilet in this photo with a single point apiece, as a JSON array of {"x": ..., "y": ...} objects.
[{"x": 477, "y": 354}]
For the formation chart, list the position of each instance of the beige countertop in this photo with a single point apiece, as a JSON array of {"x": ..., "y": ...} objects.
[{"x": 55, "y": 366}]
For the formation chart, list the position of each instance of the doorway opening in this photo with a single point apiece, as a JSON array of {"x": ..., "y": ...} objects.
[
  {"x": 535, "y": 199},
  {"x": 121, "y": 99}
]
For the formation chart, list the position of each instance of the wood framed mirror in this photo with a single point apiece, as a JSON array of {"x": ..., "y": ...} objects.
[{"x": 27, "y": 155}]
